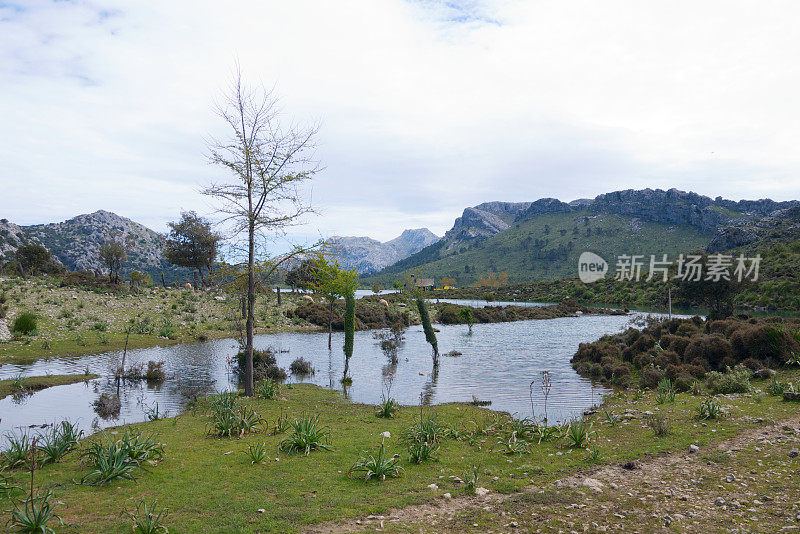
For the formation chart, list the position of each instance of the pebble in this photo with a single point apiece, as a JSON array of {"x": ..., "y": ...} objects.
[
  {"x": 433, "y": 487},
  {"x": 481, "y": 492},
  {"x": 693, "y": 449},
  {"x": 719, "y": 501},
  {"x": 794, "y": 453}
]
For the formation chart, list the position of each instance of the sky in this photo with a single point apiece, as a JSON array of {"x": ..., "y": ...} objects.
[{"x": 424, "y": 107}]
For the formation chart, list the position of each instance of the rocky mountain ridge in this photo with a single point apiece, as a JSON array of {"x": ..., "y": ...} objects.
[
  {"x": 664, "y": 220},
  {"x": 76, "y": 243},
  {"x": 368, "y": 255}
]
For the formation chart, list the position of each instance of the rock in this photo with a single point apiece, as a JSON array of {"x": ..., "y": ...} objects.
[
  {"x": 693, "y": 449},
  {"x": 481, "y": 492},
  {"x": 5, "y": 333},
  {"x": 730, "y": 479},
  {"x": 447, "y": 496},
  {"x": 668, "y": 520},
  {"x": 764, "y": 373},
  {"x": 791, "y": 395},
  {"x": 719, "y": 501},
  {"x": 794, "y": 453},
  {"x": 261, "y": 510},
  {"x": 433, "y": 487},
  {"x": 593, "y": 484}
]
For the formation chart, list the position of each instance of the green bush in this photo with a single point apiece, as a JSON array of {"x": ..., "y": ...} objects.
[
  {"x": 25, "y": 323},
  {"x": 736, "y": 380}
]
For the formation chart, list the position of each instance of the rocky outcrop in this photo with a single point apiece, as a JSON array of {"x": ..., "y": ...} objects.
[
  {"x": 76, "y": 243},
  {"x": 483, "y": 221},
  {"x": 368, "y": 255},
  {"x": 11, "y": 238},
  {"x": 682, "y": 208},
  {"x": 545, "y": 205},
  {"x": 782, "y": 224}
]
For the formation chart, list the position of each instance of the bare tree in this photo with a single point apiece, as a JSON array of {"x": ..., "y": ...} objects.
[{"x": 269, "y": 161}]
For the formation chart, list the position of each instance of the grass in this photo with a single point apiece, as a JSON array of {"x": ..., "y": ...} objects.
[
  {"x": 72, "y": 321},
  {"x": 35, "y": 383},
  {"x": 207, "y": 489}
]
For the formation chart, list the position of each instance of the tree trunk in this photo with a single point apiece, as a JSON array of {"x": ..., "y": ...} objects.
[
  {"x": 330, "y": 326},
  {"x": 163, "y": 283},
  {"x": 279, "y": 295},
  {"x": 251, "y": 299}
]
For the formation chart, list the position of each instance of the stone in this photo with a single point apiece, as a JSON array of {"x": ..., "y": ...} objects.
[
  {"x": 447, "y": 496},
  {"x": 593, "y": 484},
  {"x": 433, "y": 487},
  {"x": 693, "y": 449},
  {"x": 481, "y": 492},
  {"x": 794, "y": 453},
  {"x": 5, "y": 333},
  {"x": 765, "y": 373},
  {"x": 719, "y": 501}
]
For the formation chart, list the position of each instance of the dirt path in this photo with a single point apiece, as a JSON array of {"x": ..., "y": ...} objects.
[{"x": 749, "y": 483}]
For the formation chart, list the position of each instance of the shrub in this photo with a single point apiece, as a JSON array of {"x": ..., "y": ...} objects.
[
  {"x": 147, "y": 519},
  {"x": 378, "y": 467},
  {"x": 387, "y": 407},
  {"x": 736, "y": 380},
  {"x": 426, "y": 429},
  {"x": 256, "y": 453},
  {"x": 713, "y": 349},
  {"x": 260, "y": 357},
  {"x": 25, "y": 323},
  {"x": 229, "y": 419},
  {"x": 650, "y": 377},
  {"x": 155, "y": 372},
  {"x": 268, "y": 388},
  {"x": 269, "y": 372},
  {"x": 18, "y": 450},
  {"x": 419, "y": 452},
  {"x": 470, "y": 479},
  {"x": 709, "y": 409},
  {"x": 33, "y": 515},
  {"x": 107, "y": 405},
  {"x": 577, "y": 434},
  {"x": 110, "y": 462},
  {"x": 301, "y": 367},
  {"x": 307, "y": 436},
  {"x": 665, "y": 391},
  {"x": 659, "y": 424}
]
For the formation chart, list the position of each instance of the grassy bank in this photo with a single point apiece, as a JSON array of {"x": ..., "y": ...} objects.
[
  {"x": 209, "y": 484},
  {"x": 74, "y": 321},
  {"x": 29, "y": 384}
]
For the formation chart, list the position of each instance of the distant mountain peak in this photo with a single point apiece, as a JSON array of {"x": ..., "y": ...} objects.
[{"x": 368, "y": 255}]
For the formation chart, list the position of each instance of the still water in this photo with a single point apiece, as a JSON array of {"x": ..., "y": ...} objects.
[{"x": 498, "y": 363}]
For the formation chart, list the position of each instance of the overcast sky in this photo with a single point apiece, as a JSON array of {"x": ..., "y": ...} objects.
[{"x": 425, "y": 106}]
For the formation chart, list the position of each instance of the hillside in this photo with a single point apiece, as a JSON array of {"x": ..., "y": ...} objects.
[
  {"x": 542, "y": 240},
  {"x": 76, "y": 244},
  {"x": 368, "y": 255}
]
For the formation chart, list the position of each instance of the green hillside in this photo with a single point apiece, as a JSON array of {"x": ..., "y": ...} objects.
[{"x": 546, "y": 247}]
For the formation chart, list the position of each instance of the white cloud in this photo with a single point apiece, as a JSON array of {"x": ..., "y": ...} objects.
[{"x": 426, "y": 106}]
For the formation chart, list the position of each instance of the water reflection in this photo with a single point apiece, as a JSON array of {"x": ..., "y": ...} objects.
[{"x": 497, "y": 363}]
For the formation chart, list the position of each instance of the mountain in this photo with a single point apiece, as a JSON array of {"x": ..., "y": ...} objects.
[
  {"x": 76, "y": 243},
  {"x": 11, "y": 238},
  {"x": 368, "y": 255},
  {"x": 542, "y": 240}
]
